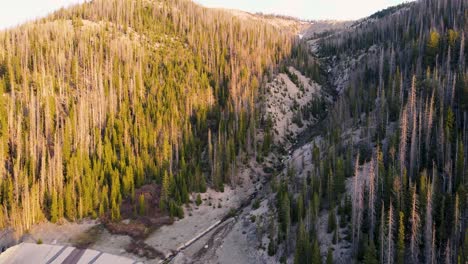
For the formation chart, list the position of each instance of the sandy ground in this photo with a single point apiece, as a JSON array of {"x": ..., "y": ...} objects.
[
  {"x": 114, "y": 244},
  {"x": 241, "y": 245},
  {"x": 282, "y": 96},
  {"x": 245, "y": 243},
  {"x": 341, "y": 250},
  {"x": 238, "y": 240},
  {"x": 61, "y": 234},
  {"x": 67, "y": 234}
]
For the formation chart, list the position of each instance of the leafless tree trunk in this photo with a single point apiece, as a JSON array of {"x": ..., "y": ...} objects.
[
  {"x": 390, "y": 243},
  {"x": 403, "y": 140},
  {"x": 357, "y": 203},
  {"x": 372, "y": 197},
  {"x": 428, "y": 250},
  {"x": 415, "y": 224}
]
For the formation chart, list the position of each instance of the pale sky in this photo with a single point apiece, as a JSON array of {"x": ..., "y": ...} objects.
[{"x": 14, "y": 12}]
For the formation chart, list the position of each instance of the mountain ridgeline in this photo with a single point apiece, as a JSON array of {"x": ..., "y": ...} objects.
[{"x": 104, "y": 97}]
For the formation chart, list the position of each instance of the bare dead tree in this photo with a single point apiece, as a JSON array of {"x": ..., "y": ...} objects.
[
  {"x": 357, "y": 205},
  {"x": 428, "y": 250},
  {"x": 403, "y": 140},
  {"x": 415, "y": 225},
  {"x": 390, "y": 242},
  {"x": 372, "y": 197}
]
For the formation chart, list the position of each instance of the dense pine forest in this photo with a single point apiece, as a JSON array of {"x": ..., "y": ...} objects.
[
  {"x": 391, "y": 171},
  {"x": 104, "y": 97}
]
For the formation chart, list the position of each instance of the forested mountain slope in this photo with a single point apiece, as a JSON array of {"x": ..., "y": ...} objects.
[
  {"x": 386, "y": 180},
  {"x": 352, "y": 138},
  {"x": 104, "y": 97}
]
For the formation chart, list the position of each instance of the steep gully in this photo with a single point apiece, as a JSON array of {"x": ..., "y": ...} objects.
[{"x": 225, "y": 225}]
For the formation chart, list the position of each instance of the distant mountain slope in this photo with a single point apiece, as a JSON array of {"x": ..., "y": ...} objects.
[{"x": 282, "y": 22}]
